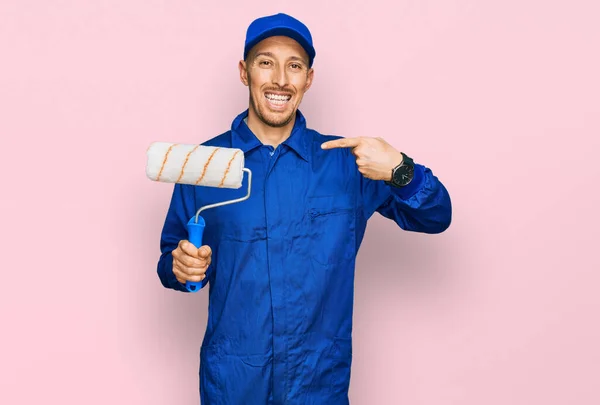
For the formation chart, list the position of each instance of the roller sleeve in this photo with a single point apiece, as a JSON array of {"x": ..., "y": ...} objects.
[{"x": 198, "y": 165}]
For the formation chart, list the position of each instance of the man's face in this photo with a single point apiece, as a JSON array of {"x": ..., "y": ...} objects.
[{"x": 277, "y": 74}]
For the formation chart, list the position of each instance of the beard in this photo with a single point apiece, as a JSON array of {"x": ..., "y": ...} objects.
[
  {"x": 272, "y": 119},
  {"x": 269, "y": 118}
]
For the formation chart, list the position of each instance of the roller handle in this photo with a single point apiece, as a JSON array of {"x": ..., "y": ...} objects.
[{"x": 195, "y": 232}]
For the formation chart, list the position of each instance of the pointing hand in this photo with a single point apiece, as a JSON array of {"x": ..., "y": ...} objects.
[{"x": 375, "y": 157}]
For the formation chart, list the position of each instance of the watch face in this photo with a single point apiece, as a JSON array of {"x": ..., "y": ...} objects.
[{"x": 403, "y": 175}]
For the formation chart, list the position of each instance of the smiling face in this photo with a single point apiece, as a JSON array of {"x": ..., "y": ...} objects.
[{"x": 277, "y": 74}]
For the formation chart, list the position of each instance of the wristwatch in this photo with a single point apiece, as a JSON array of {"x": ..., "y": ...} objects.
[{"x": 403, "y": 174}]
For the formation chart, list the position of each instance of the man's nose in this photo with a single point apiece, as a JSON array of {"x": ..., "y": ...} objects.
[{"x": 280, "y": 76}]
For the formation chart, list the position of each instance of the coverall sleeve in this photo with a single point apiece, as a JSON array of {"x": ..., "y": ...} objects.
[
  {"x": 181, "y": 209},
  {"x": 421, "y": 206}
]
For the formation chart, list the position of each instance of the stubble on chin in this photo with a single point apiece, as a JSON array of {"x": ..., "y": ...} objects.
[
  {"x": 254, "y": 104},
  {"x": 264, "y": 118}
]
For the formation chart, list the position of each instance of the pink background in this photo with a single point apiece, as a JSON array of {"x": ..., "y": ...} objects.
[{"x": 500, "y": 98}]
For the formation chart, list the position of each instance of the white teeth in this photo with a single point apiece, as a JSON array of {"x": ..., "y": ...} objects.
[{"x": 276, "y": 98}]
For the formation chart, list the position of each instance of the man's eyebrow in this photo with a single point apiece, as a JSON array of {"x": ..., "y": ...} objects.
[
  {"x": 298, "y": 58},
  {"x": 271, "y": 55}
]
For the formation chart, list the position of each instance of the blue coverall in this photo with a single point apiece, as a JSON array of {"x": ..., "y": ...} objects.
[{"x": 282, "y": 272}]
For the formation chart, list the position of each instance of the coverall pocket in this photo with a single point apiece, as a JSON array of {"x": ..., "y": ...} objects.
[
  {"x": 331, "y": 229},
  {"x": 247, "y": 379},
  {"x": 235, "y": 379},
  {"x": 341, "y": 358},
  {"x": 209, "y": 376}
]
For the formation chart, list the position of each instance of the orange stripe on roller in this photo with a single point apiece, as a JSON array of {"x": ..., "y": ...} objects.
[
  {"x": 185, "y": 162},
  {"x": 206, "y": 166},
  {"x": 164, "y": 161},
  {"x": 227, "y": 170}
]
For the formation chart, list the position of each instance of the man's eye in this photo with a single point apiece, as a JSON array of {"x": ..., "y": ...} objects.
[
  {"x": 265, "y": 62},
  {"x": 296, "y": 66}
]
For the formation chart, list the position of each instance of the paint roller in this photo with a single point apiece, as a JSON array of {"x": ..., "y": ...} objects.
[{"x": 197, "y": 165}]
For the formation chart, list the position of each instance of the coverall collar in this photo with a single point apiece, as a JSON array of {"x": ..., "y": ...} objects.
[{"x": 243, "y": 138}]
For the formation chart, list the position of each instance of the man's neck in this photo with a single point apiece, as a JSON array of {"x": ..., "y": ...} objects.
[{"x": 269, "y": 135}]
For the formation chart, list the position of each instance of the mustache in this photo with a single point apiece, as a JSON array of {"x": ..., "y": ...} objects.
[{"x": 280, "y": 90}]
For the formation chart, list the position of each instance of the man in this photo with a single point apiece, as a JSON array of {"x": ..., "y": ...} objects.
[{"x": 281, "y": 264}]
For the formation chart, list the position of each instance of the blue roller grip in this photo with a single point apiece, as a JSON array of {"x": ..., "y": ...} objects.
[{"x": 195, "y": 231}]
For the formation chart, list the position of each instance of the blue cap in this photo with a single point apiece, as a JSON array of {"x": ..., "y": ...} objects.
[{"x": 279, "y": 24}]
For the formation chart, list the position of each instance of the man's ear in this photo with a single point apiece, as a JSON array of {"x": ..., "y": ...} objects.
[
  {"x": 310, "y": 75},
  {"x": 243, "y": 73}
]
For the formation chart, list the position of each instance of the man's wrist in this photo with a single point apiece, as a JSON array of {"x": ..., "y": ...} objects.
[
  {"x": 416, "y": 184},
  {"x": 402, "y": 174},
  {"x": 396, "y": 162}
]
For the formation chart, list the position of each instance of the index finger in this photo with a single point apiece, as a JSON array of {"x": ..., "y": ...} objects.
[
  {"x": 204, "y": 252},
  {"x": 341, "y": 143}
]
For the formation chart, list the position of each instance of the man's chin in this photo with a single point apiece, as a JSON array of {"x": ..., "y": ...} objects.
[{"x": 277, "y": 119}]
